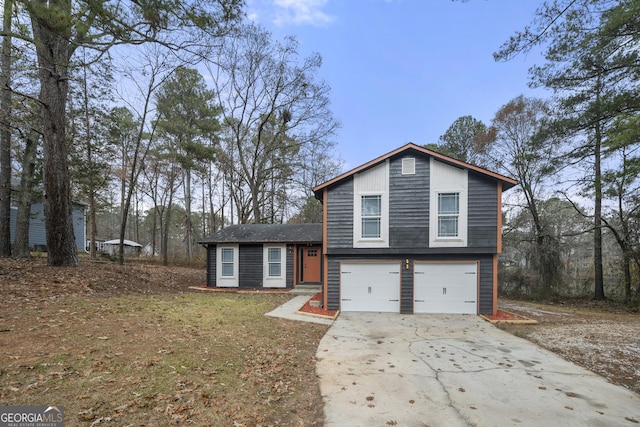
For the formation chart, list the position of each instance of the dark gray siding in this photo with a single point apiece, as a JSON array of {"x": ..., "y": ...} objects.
[
  {"x": 333, "y": 285},
  {"x": 250, "y": 260},
  {"x": 211, "y": 265},
  {"x": 288, "y": 253},
  {"x": 409, "y": 205},
  {"x": 406, "y": 287},
  {"x": 483, "y": 213},
  {"x": 486, "y": 284},
  {"x": 340, "y": 215},
  {"x": 409, "y": 214}
]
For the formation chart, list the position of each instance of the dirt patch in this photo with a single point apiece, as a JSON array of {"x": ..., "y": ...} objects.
[
  {"x": 599, "y": 337},
  {"x": 132, "y": 345}
]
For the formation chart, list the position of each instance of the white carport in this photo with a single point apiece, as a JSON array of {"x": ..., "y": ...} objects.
[{"x": 130, "y": 247}]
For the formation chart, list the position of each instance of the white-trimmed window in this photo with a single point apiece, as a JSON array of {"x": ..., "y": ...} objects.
[
  {"x": 371, "y": 207},
  {"x": 274, "y": 259},
  {"x": 448, "y": 205},
  {"x": 274, "y": 266},
  {"x": 227, "y": 266},
  {"x": 448, "y": 214},
  {"x": 371, "y": 216}
]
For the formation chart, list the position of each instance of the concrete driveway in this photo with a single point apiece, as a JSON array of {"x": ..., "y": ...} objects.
[{"x": 379, "y": 369}]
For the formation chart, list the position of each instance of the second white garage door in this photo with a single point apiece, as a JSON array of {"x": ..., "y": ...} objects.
[
  {"x": 445, "y": 287},
  {"x": 370, "y": 287}
]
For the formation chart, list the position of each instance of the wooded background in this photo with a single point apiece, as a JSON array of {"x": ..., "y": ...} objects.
[{"x": 170, "y": 119}]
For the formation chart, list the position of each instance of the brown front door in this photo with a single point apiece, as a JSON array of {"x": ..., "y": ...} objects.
[{"x": 311, "y": 264}]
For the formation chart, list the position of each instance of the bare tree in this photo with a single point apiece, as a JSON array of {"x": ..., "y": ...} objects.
[
  {"x": 59, "y": 28},
  {"x": 273, "y": 105},
  {"x": 519, "y": 153}
]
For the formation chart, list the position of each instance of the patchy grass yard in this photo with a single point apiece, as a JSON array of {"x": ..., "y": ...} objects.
[{"x": 133, "y": 346}]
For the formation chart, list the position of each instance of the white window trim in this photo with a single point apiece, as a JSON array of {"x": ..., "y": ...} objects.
[
  {"x": 371, "y": 242},
  {"x": 455, "y": 215},
  {"x": 371, "y": 217},
  {"x": 271, "y": 281},
  {"x": 383, "y": 192},
  {"x": 227, "y": 281},
  {"x": 460, "y": 187}
]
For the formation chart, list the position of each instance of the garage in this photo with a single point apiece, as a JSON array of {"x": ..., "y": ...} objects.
[
  {"x": 366, "y": 286},
  {"x": 450, "y": 287}
]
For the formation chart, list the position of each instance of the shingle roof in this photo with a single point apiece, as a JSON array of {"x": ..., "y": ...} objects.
[{"x": 266, "y": 233}]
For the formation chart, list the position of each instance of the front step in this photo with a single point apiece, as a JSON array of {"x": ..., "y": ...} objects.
[{"x": 307, "y": 289}]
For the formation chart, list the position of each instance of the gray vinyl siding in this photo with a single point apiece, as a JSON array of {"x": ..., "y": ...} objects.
[
  {"x": 406, "y": 286},
  {"x": 482, "y": 213},
  {"x": 409, "y": 214},
  {"x": 486, "y": 284},
  {"x": 250, "y": 262},
  {"x": 37, "y": 232},
  {"x": 79, "y": 228},
  {"x": 211, "y": 265},
  {"x": 340, "y": 215},
  {"x": 333, "y": 281},
  {"x": 409, "y": 205},
  {"x": 288, "y": 254},
  {"x": 250, "y": 268},
  {"x": 406, "y": 289}
]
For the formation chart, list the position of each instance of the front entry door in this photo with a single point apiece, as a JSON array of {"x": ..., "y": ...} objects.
[{"x": 311, "y": 264}]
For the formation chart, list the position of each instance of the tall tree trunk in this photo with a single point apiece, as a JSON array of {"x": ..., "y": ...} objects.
[
  {"x": 93, "y": 228},
  {"x": 53, "y": 51},
  {"x": 21, "y": 238},
  {"x": 597, "y": 214},
  {"x": 154, "y": 225},
  {"x": 91, "y": 179},
  {"x": 188, "y": 225},
  {"x": 5, "y": 134}
]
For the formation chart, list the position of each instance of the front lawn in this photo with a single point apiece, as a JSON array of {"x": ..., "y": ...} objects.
[{"x": 113, "y": 354}]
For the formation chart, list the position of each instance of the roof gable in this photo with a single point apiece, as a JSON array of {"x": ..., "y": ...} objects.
[
  {"x": 266, "y": 233},
  {"x": 507, "y": 182}
]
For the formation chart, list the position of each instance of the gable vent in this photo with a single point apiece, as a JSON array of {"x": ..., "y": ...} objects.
[{"x": 408, "y": 166}]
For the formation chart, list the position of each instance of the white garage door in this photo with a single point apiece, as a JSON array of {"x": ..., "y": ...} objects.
[
  {"x": 445, "y": 287},
  {"x": 370, "y": 287}
]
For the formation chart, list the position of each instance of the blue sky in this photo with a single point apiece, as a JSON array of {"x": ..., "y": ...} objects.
[{"x": 404, "y": 70}]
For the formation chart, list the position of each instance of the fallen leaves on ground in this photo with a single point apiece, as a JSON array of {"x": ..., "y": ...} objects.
[{"x": 132, "y": 345}]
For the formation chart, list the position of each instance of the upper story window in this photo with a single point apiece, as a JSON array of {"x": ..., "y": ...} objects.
[
  {"x": 448, "y": 214},
  {"x": 371, "y": 216},
  {"x": 448, "y": 205},
  {"x": 371, "y": 207},
  {"x": 227, "y": 262},
  {"x": 274, "y": 259}
]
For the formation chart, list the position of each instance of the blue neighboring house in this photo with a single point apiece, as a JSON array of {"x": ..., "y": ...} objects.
[{"x": 37, "y": 233}]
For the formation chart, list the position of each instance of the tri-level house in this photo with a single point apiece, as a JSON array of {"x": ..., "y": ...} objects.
[{"x": 412, "y": 231}]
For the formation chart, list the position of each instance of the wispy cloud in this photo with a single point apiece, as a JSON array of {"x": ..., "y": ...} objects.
[{"x": 302, "y": 12}]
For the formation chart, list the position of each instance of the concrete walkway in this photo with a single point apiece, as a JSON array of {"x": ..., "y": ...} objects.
[
  {"x": 456, "y": 370},
  {"x": 289, "y": 308}
]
